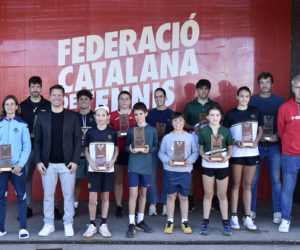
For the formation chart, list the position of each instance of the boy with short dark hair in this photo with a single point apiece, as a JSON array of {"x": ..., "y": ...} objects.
[
  {"x": 178, "y": 178},
  {"x": 140, "y": 169}
]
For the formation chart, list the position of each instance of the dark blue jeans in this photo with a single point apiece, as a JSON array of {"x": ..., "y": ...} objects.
[
  {"x": 19, "y": 183},
  {"x": 152, "y": 192},
  {"x": 290, "y": 168},
  {"x": 272, "y": 154}
]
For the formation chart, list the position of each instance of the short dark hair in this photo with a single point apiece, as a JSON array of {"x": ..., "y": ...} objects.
[
  {"x": 18, "y": 111},
  {"x": 176, "y": 115},
  {"x": 203, "y": 82},
  {"x": 265, "y": 75},
  {"x": 243, "y": 88},
  {"x": 35, "y": 79},
  {"x": 140, "y": 106},
  {"x": 57, "y": 87},
  {"x": 124, "y": 92},
  {"x": 162, "y": 90},
  {"x": 84, "y": 92}
]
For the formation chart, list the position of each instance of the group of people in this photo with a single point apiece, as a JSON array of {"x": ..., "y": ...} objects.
[{"x": 62, "y": 143}]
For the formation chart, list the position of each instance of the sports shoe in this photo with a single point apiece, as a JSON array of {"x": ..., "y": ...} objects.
[
  {"x": 169, "y": 227},
  {"x": 23, "y": 234},
  {"x": 277, "y": 217},
  {"x": 204, "y": 228},
  {"x": 142, "y": 226},
  {"x": 248, "y": 222},
  {"x": 57, "y": 214},
  {"x": 226, "y": 228},
  {"x": 103, "y": 230},
  {"x": 215, "y": 205},
  {"x": 46, "y": 230},
  {"x": 119, "y": 212},
  {"x": 252, "y": 215},
  {"x": 234, "y": 222},
  {"x": 69, "y": 231},
  {"x": 130, "y": 231},
  {"x": 152, "y": 209},
  {"x": 91, "y": 230},
  {"x": 191, "y": 204},
  {"x": 2, "y": 233},
  {"x": 186, "y": 227},
  {"x": 164, "y": 212},
  {"x": 284, "y": 226}
]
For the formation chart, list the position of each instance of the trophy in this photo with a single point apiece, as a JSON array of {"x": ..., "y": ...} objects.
[
  {"x": 5, "y": 158},
  {"x": 179, "y": 153},
  {"x": 124, "y": 124},
  {"x": 101, "y": 153},
  {"x": 216, "y": 148},
  {"x": 139, "y": 139},
  {"x": 247, "y": 136},
  {"x": 202, "y": 120},
  {"x": 100, "y": 156},
  {"x": 268, "y": 127},
  {"x": 161, "y": 128}
]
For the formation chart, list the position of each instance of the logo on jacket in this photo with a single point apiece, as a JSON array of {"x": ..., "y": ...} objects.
[
  {"x": 16, "y": 130},
  {"x": 296, "y": 117},
  {"x": 253, "y": 116},
  {"x": 91, "y": 119},
  {"x": 109, "y": 137}
]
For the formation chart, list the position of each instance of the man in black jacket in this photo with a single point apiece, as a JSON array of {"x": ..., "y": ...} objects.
[{"x": 57, "y": 153}]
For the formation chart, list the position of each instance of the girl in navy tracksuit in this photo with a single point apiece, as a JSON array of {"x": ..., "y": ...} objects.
[{"x": 14, "y": 132}]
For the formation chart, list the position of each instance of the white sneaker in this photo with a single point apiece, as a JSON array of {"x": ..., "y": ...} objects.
[
  {"x": 2, "y": 233},
  {"x": 69, "y": 231},
  {"x": 91, "y": 230},
  {"x": 252, "y": 215},
  {"x": 103, "y": 230},
  {"x": 23, "y": 234},
  {"x": 152, "y": 209},
  {"x": 164, "y": 212},
  {"x": 284, "y": 226},
  {"x": 234, "y": 222},
  {"x": 277, "y": 217},
  {"x": 248, "y": 222},
  {"x": 46, "y": 230}
]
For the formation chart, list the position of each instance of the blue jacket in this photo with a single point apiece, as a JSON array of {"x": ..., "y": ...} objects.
[{"x": 15, "y": 132}]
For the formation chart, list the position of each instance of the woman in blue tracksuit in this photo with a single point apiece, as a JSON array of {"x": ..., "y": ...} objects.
[{"x": 14, "y": 132}]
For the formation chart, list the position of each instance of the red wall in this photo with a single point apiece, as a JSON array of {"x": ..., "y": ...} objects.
[{"x": 228, "y": 42}]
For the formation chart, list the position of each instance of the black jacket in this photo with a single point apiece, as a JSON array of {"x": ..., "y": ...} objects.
[
  {"x": 71, "y": 138},
  {"x": 29, "y": 114}
]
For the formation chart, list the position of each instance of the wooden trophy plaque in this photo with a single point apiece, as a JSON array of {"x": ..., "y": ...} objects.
[
  {"x": 124, "y": 124},
  {"x": 139, "y": 139},
  {"x": 179, "y": 153},
  {"x": 5, "y": 158},
  {"x": 268, "y": 127},
  {"x": 216, "y": 148},
  {"x": 247, "y": 136},
  {"x": 161, "y": 129},
  {"x": 100, "y": 156}
]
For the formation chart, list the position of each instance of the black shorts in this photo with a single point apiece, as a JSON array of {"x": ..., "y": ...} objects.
[
  {"x": 100, "y": 181},
  {"x": 219, "y": 173},
  {"x": 246, "y": 161},
  {"x": 197, "y": 164},
  {"x": 122, "y": 158}
]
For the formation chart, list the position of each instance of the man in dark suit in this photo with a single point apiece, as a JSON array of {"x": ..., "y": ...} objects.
[{"x": 57, "y": 153}]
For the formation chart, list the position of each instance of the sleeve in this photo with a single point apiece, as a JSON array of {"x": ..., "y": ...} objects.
[
  {"x": 201, "y": 139},
  {"x": 162, "y": 153},
  {"x": 195, "y": 153},
  {"x": 116, "y": 140},
  {"x": 26, "y": 146},
  {"x": 154, "y": 147},
  {"x": 281, "y": 121},
  {"x": 38, "y": 141},
  {"x": 186, "y": 113},
  {"x": 260, "y": 118},
  {"x": 229, "y": 140},
  {"x": 76, "y": 139}
]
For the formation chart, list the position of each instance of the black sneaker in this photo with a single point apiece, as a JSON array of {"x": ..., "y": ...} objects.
[
  {"x": 215, "y": 205},
  {"x": 57, "y": 214},
  {"x": 131, "y": 231},
  {"x": 119, "y": 212},
  {"x": 142, "y": 226},
  {"x": 191, "y": 204}
]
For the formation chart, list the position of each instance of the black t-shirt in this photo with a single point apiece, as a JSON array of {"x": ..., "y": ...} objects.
[
  {"x": 96, "y": 135},
  {"x": 57, "y": 124}
]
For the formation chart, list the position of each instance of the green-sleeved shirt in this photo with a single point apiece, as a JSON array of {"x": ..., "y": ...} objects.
[{"x": 194, "y": 108}]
